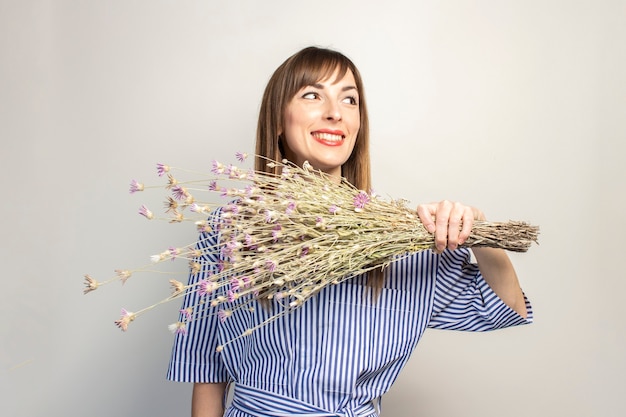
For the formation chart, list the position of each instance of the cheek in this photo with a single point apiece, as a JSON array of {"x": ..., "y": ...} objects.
[{"x": 291, "y": 124}]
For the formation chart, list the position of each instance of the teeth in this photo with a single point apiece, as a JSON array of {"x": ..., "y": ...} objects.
[{"x": 328, "y": 136}]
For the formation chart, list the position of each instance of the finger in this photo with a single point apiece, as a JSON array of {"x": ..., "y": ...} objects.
[
  {"x": 442, "y": 219},
  {"x": 454, "y": 225},
  {"x": 468, "y": 223},
  {"x": 425, "y": 212}
]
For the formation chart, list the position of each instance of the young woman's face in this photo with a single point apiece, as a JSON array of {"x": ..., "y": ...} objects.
[{"x": 321, "y": 124}]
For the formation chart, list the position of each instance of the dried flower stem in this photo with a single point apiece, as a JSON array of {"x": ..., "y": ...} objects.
[{"x": 287, "y": 236}]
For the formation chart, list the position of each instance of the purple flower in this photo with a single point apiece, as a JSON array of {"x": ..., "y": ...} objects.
[
  {"x": 276, "y": 232},
  {"x": 186, "y": 313},
  {"x": 235, "y": 284},
  {"x": 125, "y": 319},
  {"x": 174, "y": 252},
  {"x": 223, "y": 315},
  {"x": 271, "y": 265},
  {"x": 213, "y": 186},
  {"x": 180, "y": 193},
  {"x": 233, "y": 208},
  {"x": 361, "y": 199},
  {"x": 333, "y": 209},
  {"x": 250, "y": 242},
  {"x": 162, "y": 169},
  {"x": 233, "y": 171},
  {"x": 241, "y": 156},
  {"x": 246, "y": 281},
  {"x": 270, "y": 216},
  {"x": 227, "y": 253},
  {"x": 250, "y": 190},
  {"x": 218, "y": 168},
  {"x": 291, "y": 207},
  {"x": 143, "y": 210},
  {"x": 135, "y": 186},
  {"x": 178, "y": 328},
  {"x": 206, "y": 287},
  {"x": 232, "y": 295}
]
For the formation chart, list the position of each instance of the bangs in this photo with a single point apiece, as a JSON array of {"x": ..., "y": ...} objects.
[{"x": 315, "y": 66}]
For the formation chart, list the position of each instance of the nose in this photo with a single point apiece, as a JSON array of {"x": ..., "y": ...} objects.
[{"x": 333, "y": 111}]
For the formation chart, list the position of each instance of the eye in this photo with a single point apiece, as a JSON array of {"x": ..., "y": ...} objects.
[
  {"x": 311, "y": 95},
  {"x": 351, "y": 100}
]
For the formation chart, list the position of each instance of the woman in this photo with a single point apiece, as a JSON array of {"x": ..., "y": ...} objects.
[{"x": 341, "y": 351}]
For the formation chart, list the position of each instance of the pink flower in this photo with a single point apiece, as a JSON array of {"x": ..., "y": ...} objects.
[
  {"x": 291, "y": 207},
  {"x": 241, "y": 156},
  {"x": 180, "y": 193},
  {"x": 250, "y": 242},
  {"x": 224, "y": 314},
  {"x": 250, "y": 190},
  {"x": 235, "y": 284},
  {"x": 232, "y": 208},
  {"x": 233, "y": 171},
  {"x": 174, "y": 252},
  {"x": 123, "y": 274},
  {"x": 333, "y": 209},
  {"x": 125, "y": 320},
  {"x": 360, "y": 200},
  {"x": 319, "y": 221},
  {"x": 213, "y": 186},
  {"x": 135, "y": 186},
  {"x": 218, "y": 168},
  {"x": 276, "y": 233},
  {"x": 271, "y": 265},
  {"x": 162, "y": 169},
  {"x": 186, "y": 313},
  {"x": 270, "y": 216},
  {"x": 228, "y": 192},
  {"x": 232, "y": 295},
  {"x": 143, "y": 210},
  {"x": 178, "y": 328},
  {"x": 206, "y": 287},
  {"x": 246, "y": 281},
  {"x": 91, "y": 284}
]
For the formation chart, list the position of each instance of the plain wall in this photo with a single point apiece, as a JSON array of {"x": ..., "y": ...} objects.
[{"x": 516, "y": 107}]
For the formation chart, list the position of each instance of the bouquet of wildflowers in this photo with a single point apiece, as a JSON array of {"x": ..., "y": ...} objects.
[{"x": 287, "y": 236}]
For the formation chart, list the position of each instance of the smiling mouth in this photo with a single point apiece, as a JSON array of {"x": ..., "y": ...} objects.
[{"x": 328, "y": 137}]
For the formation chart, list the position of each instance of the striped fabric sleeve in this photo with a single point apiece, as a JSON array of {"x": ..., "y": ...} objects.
[
  {"x": 464, "y": 301},
  {"x": 194, "y": 357}
]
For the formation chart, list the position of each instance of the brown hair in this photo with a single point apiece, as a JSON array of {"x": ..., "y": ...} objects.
[
  {"x": 305, "y": 68},
  {"x": 302, "y": 69}
]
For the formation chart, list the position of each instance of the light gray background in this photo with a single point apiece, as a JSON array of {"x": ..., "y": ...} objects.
[{"x": 517, "y": 107}]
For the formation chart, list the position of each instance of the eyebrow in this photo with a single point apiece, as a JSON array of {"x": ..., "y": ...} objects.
[{"x": 346, "y": 88}]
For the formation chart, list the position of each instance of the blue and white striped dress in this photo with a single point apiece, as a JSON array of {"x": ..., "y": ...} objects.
[{"x": 339, "y": 352}]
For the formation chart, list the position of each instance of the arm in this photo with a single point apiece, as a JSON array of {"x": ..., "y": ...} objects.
[
  {"x": 451, "y": 224},
  {"x": 497, "y": 270},
  {"x": 208, "y": 400}
]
